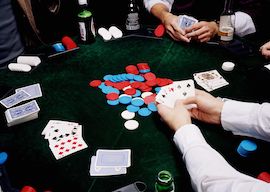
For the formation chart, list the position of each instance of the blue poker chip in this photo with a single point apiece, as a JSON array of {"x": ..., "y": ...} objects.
[
  {"x": 107, "y": 77},
  {"x": 125, "y": 99},
  {"x": 102, "y": 85},
  {"x": 152, "y": 107},
  {"x": 137, "y": 101},
  {"x": 144, "y": 112},
  {"x": 137, "y": 94},
  {"x": 124, "y": 76},
  {"x": 246, "y": 147},
  {"x": 138, "y": 78},
  {"x": 113, "y": 102},
  {"x": 130, "y": 76},
  {"x": 157, "y": 89},
  {"x": 3, "y": 157},
  {"x": 132, "y": 108}
]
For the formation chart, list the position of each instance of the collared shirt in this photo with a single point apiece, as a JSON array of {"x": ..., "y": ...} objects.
[{"x": 208, "y": 170}]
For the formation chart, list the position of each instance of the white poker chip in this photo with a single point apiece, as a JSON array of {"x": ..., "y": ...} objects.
[
  {"x": 131, "y": 124},
  {"x": 115, "y": 32},
  {"x": 19, "y": 67},
  {"x": 127, "y": 115},
  {"x": 145, "y": 94},
  {"x": 29, "y": 60},
  {"x": 104, "y": 33},
  {"x": 228, "y": 66}
]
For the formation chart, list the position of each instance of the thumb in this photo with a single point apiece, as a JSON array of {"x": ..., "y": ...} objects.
[
  {"x": 189, "y": 100},
  {"x": 162, "y": 109}
]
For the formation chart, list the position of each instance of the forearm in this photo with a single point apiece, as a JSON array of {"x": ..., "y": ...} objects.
[
  {"x": 248, "y": 119},
  {"x": 209, "y": 171},
  {"x": 160, "y": 11}
]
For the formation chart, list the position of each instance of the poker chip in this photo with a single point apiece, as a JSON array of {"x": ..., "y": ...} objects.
[
  {"x": 115, "y": 32},
  {"x": 95, "y": 83},
  {"x": 112, "y": 96},
  {"x": 264, "y": 176},
  {"x": 159, "y": 31},
  {"x": 113, "y": 102},
  {"x": 138, "y": 93},
  {"x": 132, "y": 69},
  {"x": 246, "y": 148},
  {"x": 144, "y": 112},
  {"x": 157, "y": 89},
  {"x": 228, "y": 66},
  {"x": 133, "y": 108},
  {"x": 139, "y": 78},
  {"x": 150, "y": 76},
  {"x": 125, "y": 99},
  {"x": 137, "y": 101},
  {"x": 127, "y": 115},
  {"x": 152, "y": 107},
  {"x": 149, "y": 99},
  {"x": 131, "y": 124},
  {"x": 145, "y": 94}
]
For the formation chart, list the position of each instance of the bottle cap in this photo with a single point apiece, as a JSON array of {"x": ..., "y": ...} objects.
[
  {"x": 84, "y": 14},
  {"x": 3, "y": 157},
  {"x": 228, "y": 66}
]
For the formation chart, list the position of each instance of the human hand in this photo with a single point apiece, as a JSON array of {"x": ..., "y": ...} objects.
[
  {"x": 208, "y": 107},
  {"x": 176, "y": 117},
  {"x": 202, "y": 31},
  {"x": 265, "y": 50},
  {"x": 170, "y": 22}
]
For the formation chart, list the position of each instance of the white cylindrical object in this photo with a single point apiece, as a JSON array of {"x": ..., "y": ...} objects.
[
  {"x": 228, "y": 66},
  {"x": 29, "y": 60},
  {"x": 19, "y": 67}
]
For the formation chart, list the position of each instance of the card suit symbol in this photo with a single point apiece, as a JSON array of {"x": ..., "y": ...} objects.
[
  {"x": 61, "y": 136},
  {"x": 73, "y": 147},
  {"x": 69, "y": 140},
  {"x": 67, "y": 134},
  {"x": 79, "y": 145},
  {"x": 60, "y": 153},
  {"x": 67, "y": 150},
  {"x": 184, "y": 93},
  {"x": 188, "y": 85},
  {"x": 63, "y": 143},
  {"x": 56, "y": 130},
  {"x": 62, "y": 147},
  {"x": 56, "y": 146},
  {"x": 179, "y": 87},
  {"x": 74, "y": 143}
]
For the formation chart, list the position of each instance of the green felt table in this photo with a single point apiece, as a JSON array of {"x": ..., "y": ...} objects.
[{"x": 67, "y": 96}]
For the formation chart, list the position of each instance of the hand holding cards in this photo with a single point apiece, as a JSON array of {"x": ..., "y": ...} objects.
[
  {"x": 185, "y": 21},
  {"x": 178, "y": 90}
]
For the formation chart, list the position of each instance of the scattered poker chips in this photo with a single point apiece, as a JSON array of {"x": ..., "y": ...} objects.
[{"x": 137, "y": 89}]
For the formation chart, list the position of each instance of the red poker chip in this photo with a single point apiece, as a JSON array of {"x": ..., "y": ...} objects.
[
  {"x": 150, "y": 76},
  {"x": 151, "y": 83},
  {"x": 143, "y": 66},
  {"x": 147, "y": 89},
  {"x": 109, "y": 83},
  {"x": 132, "y": 69},
  {"x": 264, "y": 176},
  {"x": 95, "y": 83},
  {"x": 136, "y": 84},
  {"x": 130, "y": 91},
  {"x": 112, "y": 96},
  {"x": 159, "y": 31}
]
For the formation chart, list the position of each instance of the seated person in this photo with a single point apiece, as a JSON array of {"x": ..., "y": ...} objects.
[{"x": 167, "y": 11}]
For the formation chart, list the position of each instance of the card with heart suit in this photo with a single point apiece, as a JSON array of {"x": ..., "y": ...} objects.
[{"x": 177, "y": 90}]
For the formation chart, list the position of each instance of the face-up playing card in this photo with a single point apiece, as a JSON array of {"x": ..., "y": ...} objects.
[
  {"x": 210, "y": 80},
  {"x": 178, "y": 90},
  {"x": 185, "y": 21},
  {"x": 67, "y": 146}
]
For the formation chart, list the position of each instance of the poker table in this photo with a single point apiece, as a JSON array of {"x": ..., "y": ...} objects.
[{"x": 67, "y": 96}]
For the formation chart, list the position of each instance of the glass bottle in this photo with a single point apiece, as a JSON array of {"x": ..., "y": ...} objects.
[
  {"x": 164, "y": 182},
  {"x": 86, "y": 23},
  {"x": 226, "y": 23},
  {"x": 132, "y": 20}
]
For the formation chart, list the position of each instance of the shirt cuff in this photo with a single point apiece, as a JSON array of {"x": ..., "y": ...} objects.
[
  {"x": 150, "y": 4},
  {"x": 187, "y": 137},
  {"x": 235, "y": 117}
]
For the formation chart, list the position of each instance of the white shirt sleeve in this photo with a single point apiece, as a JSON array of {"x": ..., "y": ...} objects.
[
  {"x": 243, "y": 24},
  {"x": 150, "y": 3},
  {"x": 208, "y": 170},
  {"x": 247, "y": 119}
]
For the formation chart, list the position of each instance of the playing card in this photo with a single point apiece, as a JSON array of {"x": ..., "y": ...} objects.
[
  {"x": 185, "y": 21},
  {"x": 113, "y": 158},
  {"x": 210, "y": 80},
  {"x": 105, "y": 171},
  {"x": 178, "y": 90},
  {"x": 67, "y": 146},
  {"x": 33, "y": 90},
  {"x": 22, "y": 111},
  {"x": 15, "y": 99},
  {"x": 54, "y": 123}
]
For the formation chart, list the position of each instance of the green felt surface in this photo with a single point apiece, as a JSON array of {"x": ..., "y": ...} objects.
[{"x": 67, "y": 96}]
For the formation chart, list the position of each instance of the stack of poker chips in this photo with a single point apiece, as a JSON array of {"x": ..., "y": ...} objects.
[
  {"x": 137, "y": 89},
  {"x": 246, "y": 148}
]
